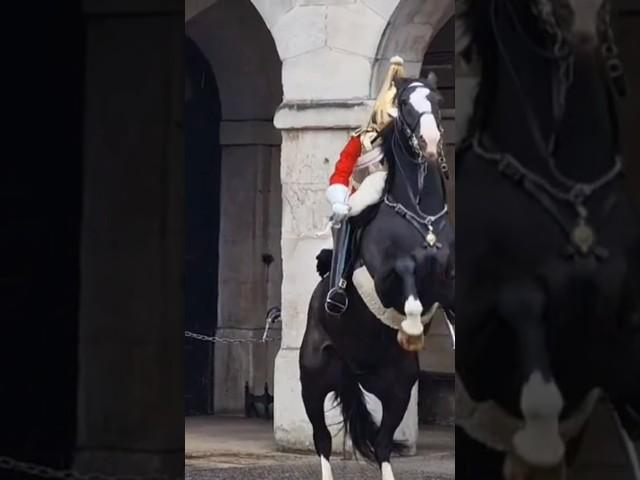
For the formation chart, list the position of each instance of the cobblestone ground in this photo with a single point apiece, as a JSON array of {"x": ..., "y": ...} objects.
[
  {"x": 417, "y": 468},
  {"x": 240, "y": 449}
]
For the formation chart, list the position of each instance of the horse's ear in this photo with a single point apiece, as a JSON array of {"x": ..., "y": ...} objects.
[{"x": 432, "y": 80}]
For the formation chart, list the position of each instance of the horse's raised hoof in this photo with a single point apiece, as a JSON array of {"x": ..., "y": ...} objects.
[
  {"x": 516, "y": 469},
  {"x": 410, "y": 343},
  {"x": 412, "y": 327},
  {"x": 543, "y": 449}
]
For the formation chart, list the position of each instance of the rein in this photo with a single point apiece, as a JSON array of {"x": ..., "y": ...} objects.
[{"x": 421, "y": 219}]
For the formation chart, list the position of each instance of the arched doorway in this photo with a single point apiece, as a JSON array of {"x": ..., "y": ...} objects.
[
  {"x": 203, "y": 160},
  {"x": 234, "y": 206}
]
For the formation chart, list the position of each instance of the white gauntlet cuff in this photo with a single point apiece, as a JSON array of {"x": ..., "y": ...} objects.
[{"x": 337, "y": 193}]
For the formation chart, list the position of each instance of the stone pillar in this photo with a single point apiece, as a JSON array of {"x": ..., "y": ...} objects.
[
  {"x": 130, "y": 391},
  {"x": 313, "y": 135}
]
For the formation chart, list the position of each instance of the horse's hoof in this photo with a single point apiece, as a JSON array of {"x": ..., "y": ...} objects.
[
  {"x": 412, "y": 328},
  {"x": 544, "y": 449},
  {"x": 516, "y": 469},
  {"x": 410, "y": 343}
]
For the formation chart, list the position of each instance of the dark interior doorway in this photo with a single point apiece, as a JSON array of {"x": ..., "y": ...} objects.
[{"x": 202, "y": 151}]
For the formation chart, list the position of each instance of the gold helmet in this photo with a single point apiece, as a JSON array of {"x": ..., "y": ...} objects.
[{"x": 384, "y": 108}]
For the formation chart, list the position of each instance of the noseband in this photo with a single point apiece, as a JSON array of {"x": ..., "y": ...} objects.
[
  {"x": 410, "y": 132},
  {"x": 422, "y": 222}
]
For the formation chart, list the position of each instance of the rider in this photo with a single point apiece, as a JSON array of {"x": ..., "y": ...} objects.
[{"x": 357, "y": 182}]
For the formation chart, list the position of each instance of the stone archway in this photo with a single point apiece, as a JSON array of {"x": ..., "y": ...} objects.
[
  {"x": 247, "y": 70},
  {"x": 408, "y": 33}
]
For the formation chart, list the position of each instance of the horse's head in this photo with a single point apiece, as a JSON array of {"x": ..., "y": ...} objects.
[
  {"x": 539, "y": 59},
  {"x": 419, "y": 115}
]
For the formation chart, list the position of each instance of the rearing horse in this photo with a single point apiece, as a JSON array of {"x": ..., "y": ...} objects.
[
  {"x": 550, "y": 260},
  {"x": 402, "y": 268}
]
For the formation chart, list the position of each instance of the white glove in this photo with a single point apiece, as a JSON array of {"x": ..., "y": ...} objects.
[
  {"x": 340, "y": 211},
  {"x": 338, "y": 195}
]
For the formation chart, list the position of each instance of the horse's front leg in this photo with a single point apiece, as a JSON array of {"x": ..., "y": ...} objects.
[
  {"x": 538, "y": 445},
  {"x": 411, "y": 331}
]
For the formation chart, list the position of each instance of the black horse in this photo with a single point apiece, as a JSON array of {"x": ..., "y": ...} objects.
[
  {"x": 402, "y": 266},
  {"x": 549, "y": 273}
]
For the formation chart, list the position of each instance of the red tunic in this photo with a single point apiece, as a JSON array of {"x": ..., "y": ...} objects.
[{"x": 347, "y": 162}]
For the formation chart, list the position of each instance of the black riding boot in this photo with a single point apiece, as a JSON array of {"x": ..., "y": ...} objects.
[{"x": 337, "y": 300}]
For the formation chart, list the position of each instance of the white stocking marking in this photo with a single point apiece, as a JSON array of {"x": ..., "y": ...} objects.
[
  {"x": 539, "y": 443},
  {"x": 327, "y": 474},
  {"x": 413, "y": 310},
  {"x": 387, "y": 473}
]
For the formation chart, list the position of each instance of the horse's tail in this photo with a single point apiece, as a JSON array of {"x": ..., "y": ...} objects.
[{"x": 358, "y": 422}]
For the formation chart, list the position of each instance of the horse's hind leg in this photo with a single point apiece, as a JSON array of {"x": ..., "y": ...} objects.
[{"x": 317, "y": 383}]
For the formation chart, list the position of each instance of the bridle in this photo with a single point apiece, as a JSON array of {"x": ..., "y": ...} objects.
[
  {"x": 410, "y": 132},
  {"x": 418, "y": 219},
  {"x": 581, "y": 234}
]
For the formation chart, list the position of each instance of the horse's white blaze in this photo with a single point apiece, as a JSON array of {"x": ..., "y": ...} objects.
[
  {"x": 586, "y": 18},
  {"x": 429, "y": 130},
  {"x": 327, "y": 474},
  {"x": 539, "y": 442},
  {"x": 412, "y": 325},
  {"x": 387, "y": 473}
]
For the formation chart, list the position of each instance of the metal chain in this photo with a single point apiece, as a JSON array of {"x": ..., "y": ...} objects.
[
  {"x": 427, "y": 220},
  {"x": 273, "y": 315},
  {"x": 581, "y": 190},
  {"x": 41, "y": 471},
  {"x": 610, "y": 51},
  {"x": 231, "y": 341}
]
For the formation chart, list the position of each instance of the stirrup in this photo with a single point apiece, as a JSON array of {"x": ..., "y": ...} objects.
[{"x": 337, "y": 300}]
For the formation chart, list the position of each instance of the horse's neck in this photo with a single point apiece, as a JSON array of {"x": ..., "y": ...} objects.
[
  {"x": 430, "y": 196},
  {"x": 585, "y": 138}
]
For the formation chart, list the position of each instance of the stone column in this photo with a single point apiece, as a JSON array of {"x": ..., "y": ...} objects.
[
  {"x": 313, "y": 135},
  {"x": 130, "y": 386}
]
